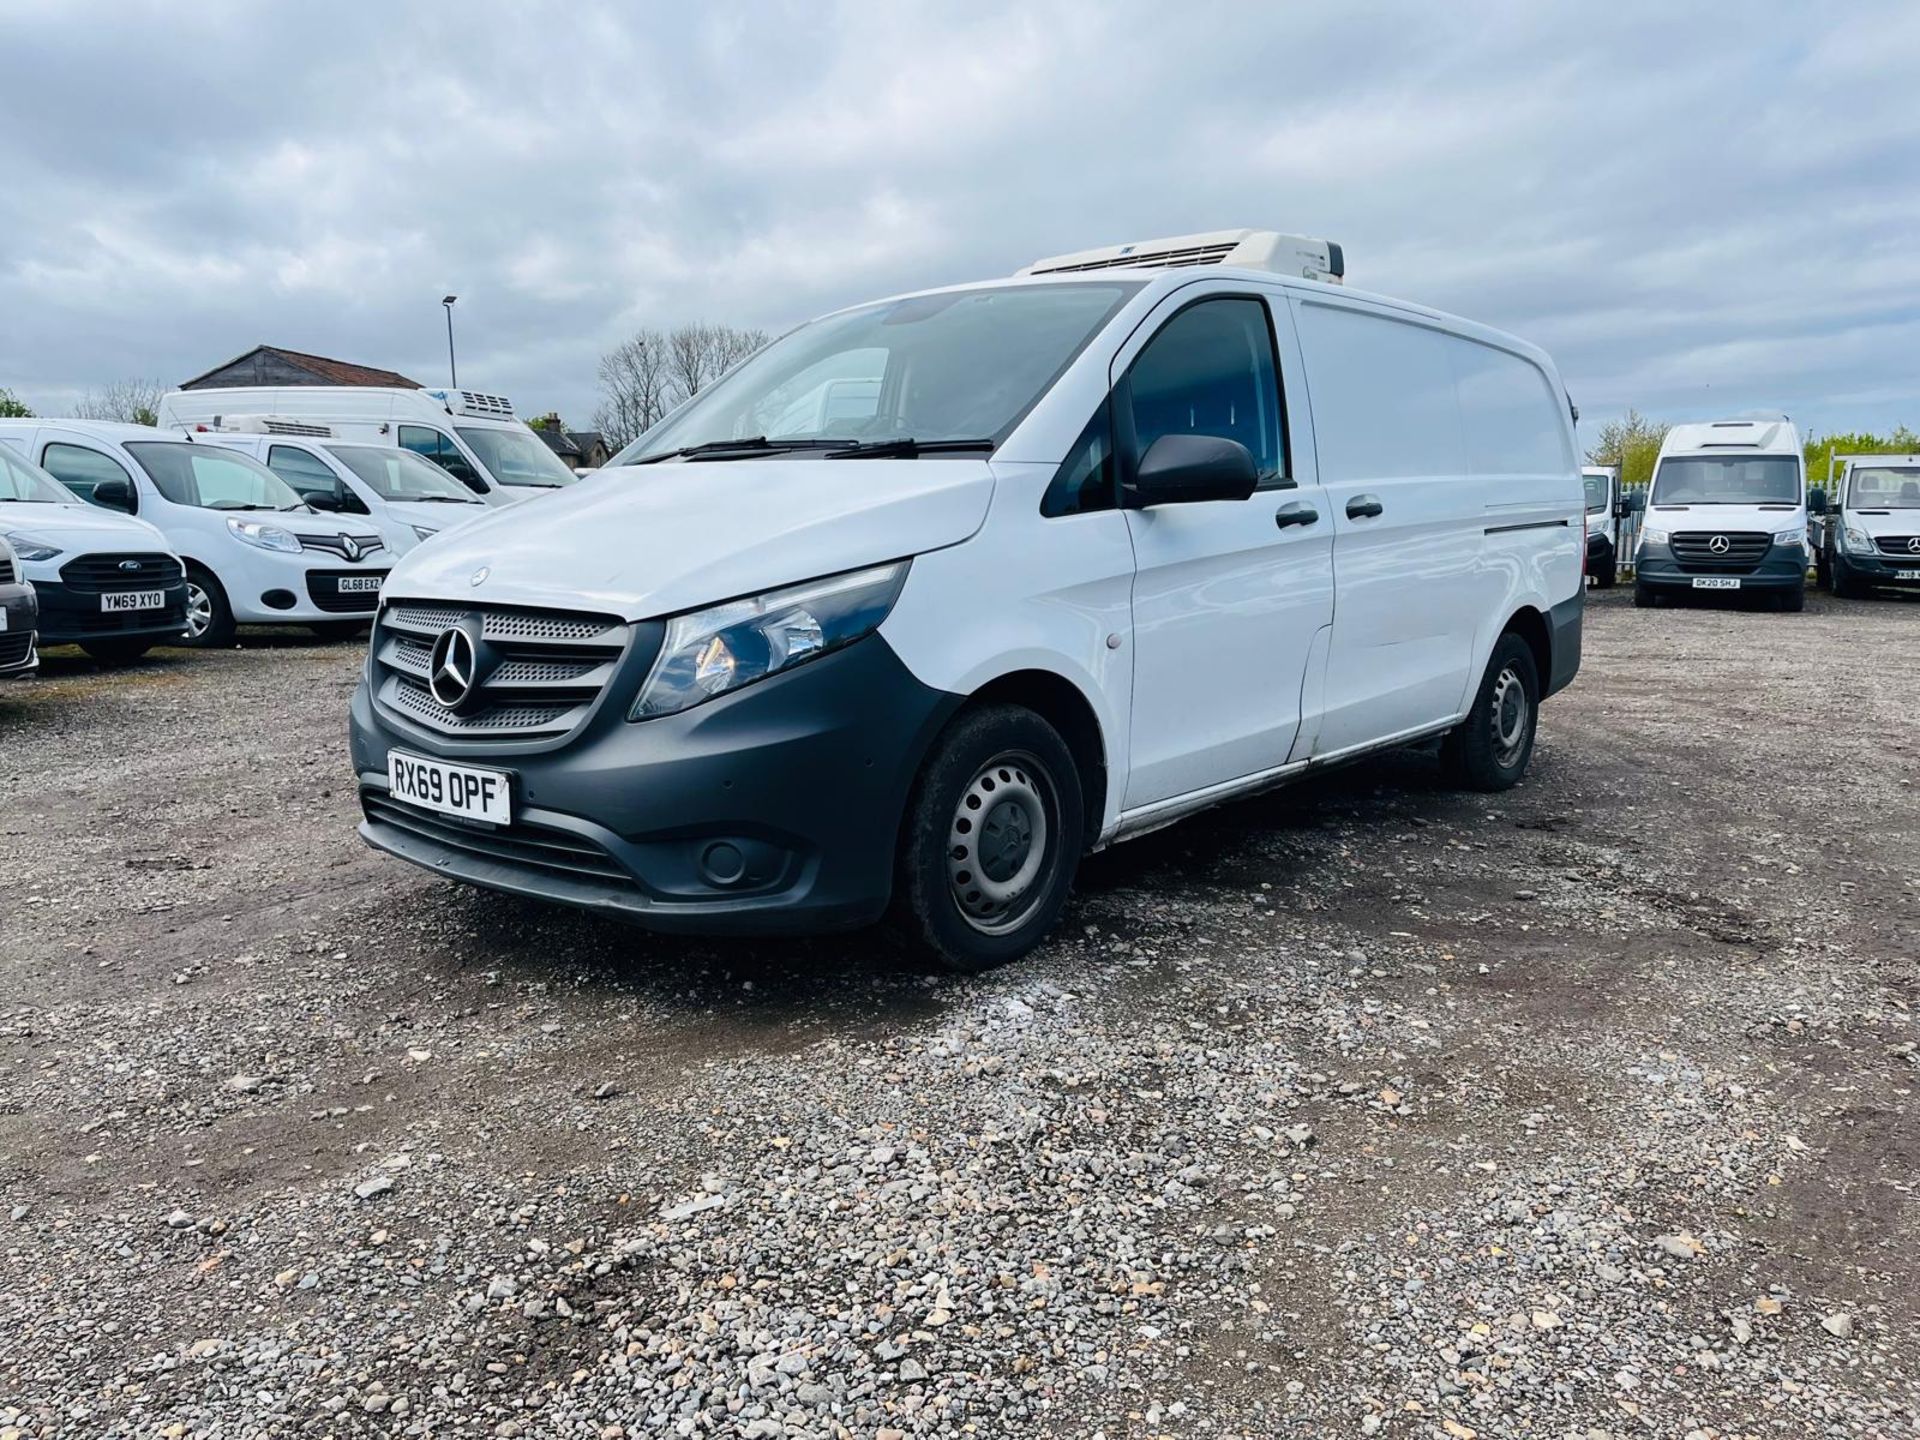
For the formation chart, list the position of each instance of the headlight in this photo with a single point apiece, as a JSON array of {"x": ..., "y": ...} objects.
[
  {"x": 725, "y": 647},
  {"x": 423, "y": 532},
  {"x": 264, "y": 537},
  {"x": 28, "y": 548},
  {"x": 1791, "y": 537},
  {"x": 1651, "y": 536},
  {"x": 1859, "y": 541}
]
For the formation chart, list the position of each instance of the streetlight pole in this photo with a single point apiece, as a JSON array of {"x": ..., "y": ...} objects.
[{"x": 453, "y": 373}]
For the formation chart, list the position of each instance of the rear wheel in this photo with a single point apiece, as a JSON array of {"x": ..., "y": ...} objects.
[
  {"x": 1823, "y": 571},
  {"x": 339, "y": 629},
  {"x": 117, "y": 652},
  {"x": 992, "y": 838},
  {"x": 209, "y": 616},
  {"x": 1489, "y": 750},
  {"x": 1607, "y": 574}
]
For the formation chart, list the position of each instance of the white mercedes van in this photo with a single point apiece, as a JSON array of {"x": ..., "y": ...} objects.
[
  {"x": 1869, "y": 528},
  {"x": 470, "y": 434},
  {"x": 1127, "y": 535},
  {"x": 108, "y": 583},
  {"x": 407, "y": 498},
  {"x": 255, "y": 554},
  {"x": 1727, "y": 511}
]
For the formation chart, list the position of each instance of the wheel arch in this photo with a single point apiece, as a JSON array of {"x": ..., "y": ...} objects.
[{"x": 1066, "y": 707}]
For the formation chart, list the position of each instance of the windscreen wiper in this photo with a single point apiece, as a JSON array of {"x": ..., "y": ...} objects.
[
  {"x": 751, "y": 445},
  {"x": 906, "y": 448}
]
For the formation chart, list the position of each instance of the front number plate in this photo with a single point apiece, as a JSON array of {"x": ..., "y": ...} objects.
[
  {"x": 463, "y": 790},
  {"x": 1906, "y": 574},
  {"x": 359, "y": 584},
  {"x": 118, "y": 600},
  {"x": 1716, "y": 582}
]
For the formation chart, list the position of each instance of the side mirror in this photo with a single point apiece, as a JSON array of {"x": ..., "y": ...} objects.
[
  {"x": 1180, "y": 469},
  {"x": 321, "y": 500},
  {"x": 114, "y": 495},
  {"x": 1633, "y": 502},
  {"x": 1816, "y": 501}
]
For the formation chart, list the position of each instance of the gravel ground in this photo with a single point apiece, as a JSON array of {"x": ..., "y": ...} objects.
[{"x": 1366, "y": 1108}]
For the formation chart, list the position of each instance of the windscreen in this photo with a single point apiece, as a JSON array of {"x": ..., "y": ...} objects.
[
  {"x": 30, "y": 485},
  {"x": 395, "y": 474},
  {"x": 212, "y": 478},
  {"x": 516, "y": 457},
  {"x": 1727, "y": 480},
  {"x": 959, "y": 365},
  {"x": 1884, "y": 487}
]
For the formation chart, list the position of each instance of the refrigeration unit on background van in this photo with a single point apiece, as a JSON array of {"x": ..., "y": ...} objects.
[{"x": 472, "y": 435}]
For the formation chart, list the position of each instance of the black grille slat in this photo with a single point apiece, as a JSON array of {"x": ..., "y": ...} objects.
[
  {"x": 323, "y": 588},
  {"x": 1693, "y": 551},
  {"x": 14, "y": 645},
  {"x": 1898, "y": 547},
  {"x": 411, "y": 698},
  {"x": 532, "y": 846},
  {"x": 99, "y": 574},
  {"x": 7, "y": 577}
]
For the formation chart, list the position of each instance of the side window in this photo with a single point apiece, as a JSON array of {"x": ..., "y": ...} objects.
[
  {"x": 1084, "y": 480},
  {"x": 81, "y": 469},
  {"x": 425, "y": 440},
  {"x": 1513, "y": 422},
  {"x": 1384, "y": 400},
  {"x": 304, "y": 471},
  {"x": 1211, "y": 371}
]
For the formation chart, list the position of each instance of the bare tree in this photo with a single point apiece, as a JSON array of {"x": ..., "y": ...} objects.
[
  {"x": 648, "y": 375},
  {"x": 135, "y": 402}
]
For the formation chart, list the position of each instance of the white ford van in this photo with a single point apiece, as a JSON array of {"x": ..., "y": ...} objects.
[
  {"x": 407, "y": 499},
  {"x": 1869, "y": 528},
  {"x": 1727, "y": 511},
  {"x": 254, "y": 553},
  {"x": 471, "y": 435},
  {"x": 1100, "y": 549},
  {"x": 108, "y": 583}
]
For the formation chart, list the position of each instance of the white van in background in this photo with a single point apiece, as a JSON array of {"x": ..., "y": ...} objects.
[
  {"x": 1727, "y": 511},
  {"x": 1099, "y": 548},
  {"x": 473, "y": 436},
  {"x": 1868, "y": 528},
  {"x": 408, "y": 498},
  {"x": 255, "y": 554}
]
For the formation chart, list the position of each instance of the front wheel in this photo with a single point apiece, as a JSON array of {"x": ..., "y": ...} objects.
[
  {"x": 1844, "y": 585},
  {"x": 116, "y": 652},
  {"x": 1489, "y": 750},
  {"x": 1645, "y": 597},
  {"x": 992, "y": 838},
  {"x": 1793, "y": 601},
  {"x": 209, "y": 616}
]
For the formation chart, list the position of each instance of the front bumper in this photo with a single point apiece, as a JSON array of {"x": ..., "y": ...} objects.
[
  {"x": 70, "y": 617},
  {"x": 1781, "y": 568},
  {"x": 271, "y": 587},
  {"x": 1883, "y": 569},
  {"x": 773, "y": 810},
  {"x": 19, "y": 655}
]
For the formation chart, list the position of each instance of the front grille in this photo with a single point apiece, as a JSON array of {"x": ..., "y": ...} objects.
[
  {"x": 1901, "y": 547},
  {"x": 7, "y": 576},
  {"x": 14, "y": 645},
  {"x": 97, "y": 574},
  {"x": 530, "y": 847},
  {"x": 1695, "y": 551},
  {"x": 337, "y": 545},
  {"x": 323, "y": 588},
  {"x": 539, "y": 671}
]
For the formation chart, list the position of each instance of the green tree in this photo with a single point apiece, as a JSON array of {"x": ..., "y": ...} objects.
[
  {"x": 12, "y": 407},
  {"x": 1821, "y": 449},
  {"x": 1631, "y": 444}
]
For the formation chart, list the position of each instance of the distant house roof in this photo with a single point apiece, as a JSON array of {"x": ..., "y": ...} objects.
[
  {"x": 270, "y": 365},
  {"x": 558, "y": 441}
]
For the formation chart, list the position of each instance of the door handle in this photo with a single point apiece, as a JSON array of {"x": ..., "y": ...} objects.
[
  {"x": 1294, "y": 513},
  {"x": 1363, "y": 507}
]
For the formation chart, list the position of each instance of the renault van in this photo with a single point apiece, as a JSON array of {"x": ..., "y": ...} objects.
[
  {"x": 254, "y": 552},
  {"x": 472, "y": 435},
  {"x": 408, "y": 499},
  {"x": 19, "y": 616},
  {"x": 1869, "y": 526},
  {"x": 1101, "y": 546},
  {"x": 1727, "y": 511},
  {"x": 108, "y": 583}
]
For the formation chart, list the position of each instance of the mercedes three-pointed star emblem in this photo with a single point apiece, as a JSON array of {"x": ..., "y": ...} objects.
[{"x": 452, "y": 668}]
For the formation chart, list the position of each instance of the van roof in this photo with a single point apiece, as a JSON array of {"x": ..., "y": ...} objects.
[
  {"x": 117, "y": 430},
  {"x": 1733, "y": 437}
]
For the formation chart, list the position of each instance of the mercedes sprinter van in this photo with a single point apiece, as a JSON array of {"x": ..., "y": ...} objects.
[
  {"x": 1727, "y": 511},
  {"x": 1869, "y": 525},
  {"x": 1103, "y": 544}
]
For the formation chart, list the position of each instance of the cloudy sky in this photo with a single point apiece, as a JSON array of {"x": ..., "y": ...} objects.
[{"x": 1698, "y": 210}]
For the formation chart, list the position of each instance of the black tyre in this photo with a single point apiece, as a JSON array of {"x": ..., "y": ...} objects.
[
  {"x": 1823, "y": 571},
  {"x": 1844, "y": 585},
  {"x": 1607, "y": 574},
  {"x": 993, "y": 834},
  {"x": 1645, "y": 597},
  {"x": 117, "y": 652},
  {"x": 340, "y": 629},
  {"x": 1489, "y": 750},
  {"x": 1792, "y": 602},
  {"x": 209, "y": 617}
]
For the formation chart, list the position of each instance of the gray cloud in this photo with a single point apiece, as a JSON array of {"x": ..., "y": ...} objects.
[{"x": 1695, "y": 212}]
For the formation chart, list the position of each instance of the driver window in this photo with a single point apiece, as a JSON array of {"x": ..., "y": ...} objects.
[
  {"x": 80, "y": 469},
  {"x": 1211, "y": 371}
]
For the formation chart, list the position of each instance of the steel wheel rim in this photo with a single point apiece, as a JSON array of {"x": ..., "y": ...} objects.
[
  {"x": 199, "y": 611},
  {"x": 998, "y": 842},
  {"x": 1512, "y": 717}
]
